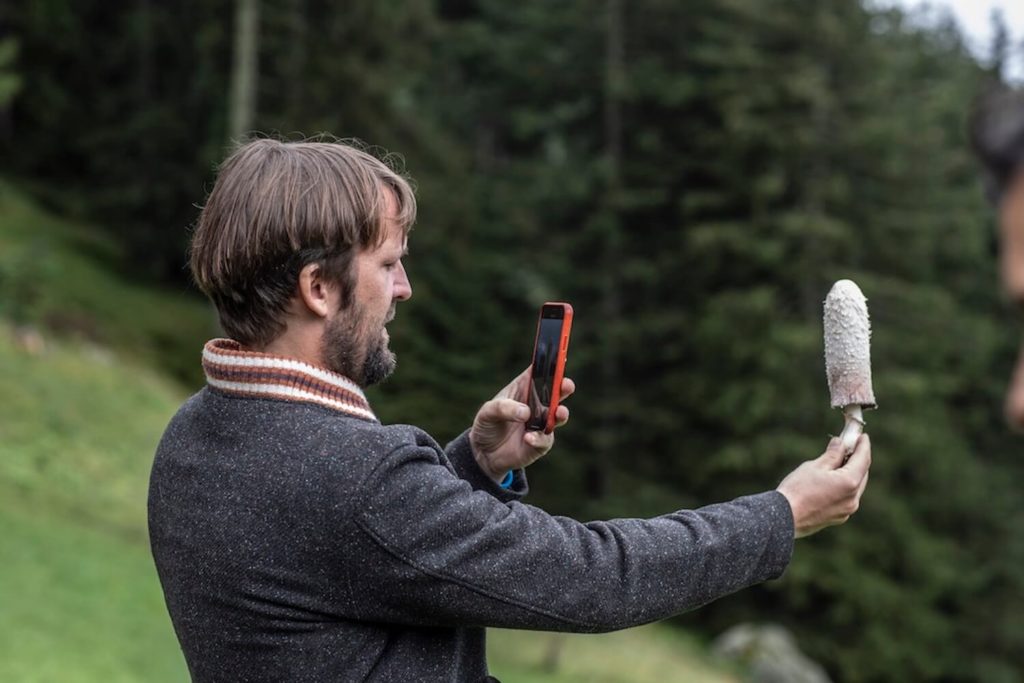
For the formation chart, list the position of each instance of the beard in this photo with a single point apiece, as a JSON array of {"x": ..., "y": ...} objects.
[{"x": 358, "y": 348}]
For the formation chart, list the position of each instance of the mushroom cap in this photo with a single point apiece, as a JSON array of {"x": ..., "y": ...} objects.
[{"x": 848, "y": 346}]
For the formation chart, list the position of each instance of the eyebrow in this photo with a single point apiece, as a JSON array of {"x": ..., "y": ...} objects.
[{"x": 401, "y": 255}]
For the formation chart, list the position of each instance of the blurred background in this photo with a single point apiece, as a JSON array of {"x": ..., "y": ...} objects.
[{"x": 692, "y": 175}]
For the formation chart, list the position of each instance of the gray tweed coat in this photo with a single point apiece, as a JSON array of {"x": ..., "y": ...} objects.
[{"x": 296, "y": 543}]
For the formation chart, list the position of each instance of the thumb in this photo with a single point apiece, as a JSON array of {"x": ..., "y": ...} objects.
[
  {"x": 504, "y": 410},
  {"x": 834, "y": 454}
]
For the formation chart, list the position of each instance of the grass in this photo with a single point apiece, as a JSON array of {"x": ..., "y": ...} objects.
[
  {"x": 59, "y": 276},
  {"x": 81, "y": 599},
  {"x": 648, "y": 654},
  {"x": 80, "y": 421},
  {"x": 82, "y": 430},
  {"x": 80, "y": 604}
]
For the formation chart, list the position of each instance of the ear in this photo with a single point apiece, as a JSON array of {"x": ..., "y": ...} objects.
[{"x": 317, "y": 295}]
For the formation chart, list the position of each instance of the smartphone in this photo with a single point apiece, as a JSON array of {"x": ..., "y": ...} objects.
[{"x": 548, "y": 368}]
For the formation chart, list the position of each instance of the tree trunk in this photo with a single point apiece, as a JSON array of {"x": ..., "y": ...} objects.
[
  {"x": 611, "y": 304},
  {"x": 245, "y": 69},
  {"x": 298, "y": 27}
]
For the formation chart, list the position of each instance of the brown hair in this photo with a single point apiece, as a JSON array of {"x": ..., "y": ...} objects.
[{"x": 279, "y": 206}]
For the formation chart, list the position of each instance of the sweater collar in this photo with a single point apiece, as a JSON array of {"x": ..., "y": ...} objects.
[{"x": 233, "y": 370}]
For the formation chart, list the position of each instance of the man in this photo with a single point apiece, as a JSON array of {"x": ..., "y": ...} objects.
[
  {"x": 998, "y": 137},
  {"x": 298, "y": 539}
]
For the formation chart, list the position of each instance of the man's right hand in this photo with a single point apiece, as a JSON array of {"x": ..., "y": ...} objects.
[{"x": 825, "y": 491}]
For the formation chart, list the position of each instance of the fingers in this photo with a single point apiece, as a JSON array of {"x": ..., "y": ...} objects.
[
  {"x": 568, "y": 387},
  {"x": 517, "y": 388},
  {"x": 825, "y": 492},
  {"x": 834, "y": 454},
  {"x": 540, "y": 441},
  {"x": 863, "y": 485},
  {"x": 505, "y": 410},
  {"x": 561, "y": 416},
  {"x": 860, "y": 459}
]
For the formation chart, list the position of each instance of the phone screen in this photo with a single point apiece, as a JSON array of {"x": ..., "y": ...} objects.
[{"x": 545, "y": 361}]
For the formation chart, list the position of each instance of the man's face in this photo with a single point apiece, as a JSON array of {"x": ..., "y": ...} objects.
[
  {"x": 1011, "y": 267},
  {"x": 355, "y": 341}
]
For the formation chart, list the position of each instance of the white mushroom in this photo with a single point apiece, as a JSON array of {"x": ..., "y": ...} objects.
[{"x": 848, "y": 357}]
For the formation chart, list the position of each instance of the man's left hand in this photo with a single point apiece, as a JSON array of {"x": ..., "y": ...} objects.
[{"x": 499, "y": 438}]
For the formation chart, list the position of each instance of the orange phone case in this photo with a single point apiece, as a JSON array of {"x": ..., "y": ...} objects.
[{"x": 563, "y": 348}]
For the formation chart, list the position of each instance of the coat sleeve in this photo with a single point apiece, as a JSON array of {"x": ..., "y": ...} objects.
[
  {"x": 460, "y": 455},
  {"x": 430, "y": 550}
]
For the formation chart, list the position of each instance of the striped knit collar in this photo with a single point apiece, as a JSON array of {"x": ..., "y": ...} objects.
[{"x": 233, "y": 370}]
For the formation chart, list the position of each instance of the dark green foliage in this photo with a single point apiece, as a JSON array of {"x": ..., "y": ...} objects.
[
  {"x": 121, "y": 115},
  {"x": 693, "y": 194},
  {"x": 10, "y": 82},
  {"x": 767, "y": 154}
]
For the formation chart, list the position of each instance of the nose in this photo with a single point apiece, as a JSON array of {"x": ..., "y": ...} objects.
[
  {"x": 402, "y": 288},
  {"x": 1015, "y": 396}
]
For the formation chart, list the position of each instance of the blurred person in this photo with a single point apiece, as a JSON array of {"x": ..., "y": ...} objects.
[
  {"x": 997, "y": 133},
  {"x": 297, "y": 538}
]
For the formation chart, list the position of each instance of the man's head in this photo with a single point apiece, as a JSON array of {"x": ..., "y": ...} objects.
[
  {"x": 997, "y": 133},
  {"x": 299, "y": 244}
]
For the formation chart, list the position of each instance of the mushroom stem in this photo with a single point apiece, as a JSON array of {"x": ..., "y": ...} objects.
[{"x": 854, "y": 427}]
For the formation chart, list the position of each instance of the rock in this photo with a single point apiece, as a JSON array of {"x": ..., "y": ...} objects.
[
  {"x": 769, "y": 654},
  {"x": 29, "y": 340}
]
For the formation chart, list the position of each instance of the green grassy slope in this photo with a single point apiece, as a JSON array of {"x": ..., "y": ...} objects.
[
  {"x": 649, "y": 654},
  {"x": 79, "y": 421},
  {"x": 58, "y": 275},
  {"x": 80, "y": 603},
  {"x": 81, "y": 599}
]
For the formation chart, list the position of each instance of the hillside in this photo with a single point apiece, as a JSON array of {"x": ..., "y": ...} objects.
[
  {"x": 61, "y": 277},
  {"x": 91, "y": 369}
]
